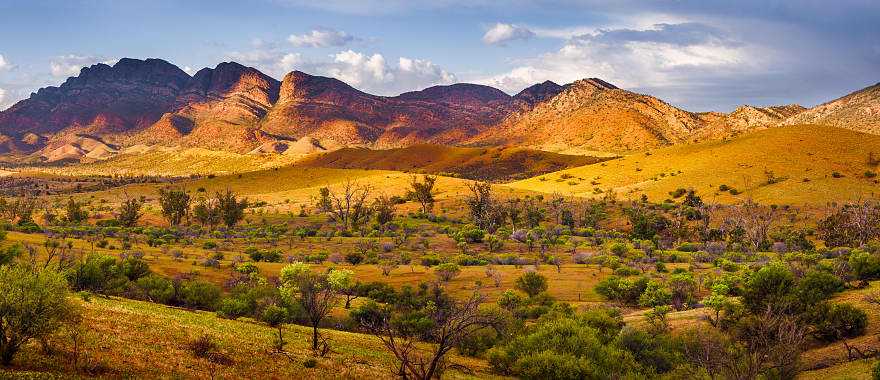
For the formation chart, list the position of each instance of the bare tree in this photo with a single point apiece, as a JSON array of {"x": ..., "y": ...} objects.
[
  {"x": 755, "y": 220},
  {"x": 347, "y": 207},
  {"x": 427, "y": 361}
]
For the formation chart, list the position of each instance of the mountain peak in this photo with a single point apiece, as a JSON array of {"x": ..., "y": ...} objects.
[
  {"x": 456, "y": 93},
  {"x": 595, "y": 83},
  {"x": 539, "y": 92}
]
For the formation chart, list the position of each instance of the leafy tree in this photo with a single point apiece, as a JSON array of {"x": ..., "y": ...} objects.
[
  {"x": 33, "y": 305},
  {"x": 531, "y": 283},
  {"x": 484, "y": 210},
  {"x": 129, "y": 212},
  {"x": 646, "y": 223},
  {"x": 423, "y": 192},
  {"x": 74, "y": 212},
  {"x": 655, "y": 294},
  {"x": 230, "y": 207},
  {"x": 316, "y": 293},
  {"x": 175, "y": 204},
  {"x": 720, "y": 302},
  {"x": 383, "y": 209},
  {"x": 865, "y": 266},
  {"x": 772, "y": 285},
  {"x": 207, "y": 212},
  {"x": 817, "y": 286},
  {"x": 447, "y": 271}
]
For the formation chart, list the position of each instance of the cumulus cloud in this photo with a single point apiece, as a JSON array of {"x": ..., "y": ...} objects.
[
  {"x": 71, "y": 64},
  {"x": 501, "y": 33},
  {"x": 321, "y": 37},
  {"x": 368, "y": 72},
  {"x": 189, "y": 70},
  {"x": 373, "y": 73},
  {"x": 2, "y": 99},
  {"x": 654, "y": 57},
  {"x": 4, "y": 64}
]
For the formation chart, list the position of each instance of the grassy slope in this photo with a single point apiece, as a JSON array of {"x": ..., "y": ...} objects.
[
  {"x": 173, "y": 162},
  {"x": 132, "y": 339},
  {"x": 475, "y": 163},
  {"x": 796, "y": 152}
]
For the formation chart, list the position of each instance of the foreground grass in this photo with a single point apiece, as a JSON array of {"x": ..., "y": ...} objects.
[{"x": 133, "y": 339}]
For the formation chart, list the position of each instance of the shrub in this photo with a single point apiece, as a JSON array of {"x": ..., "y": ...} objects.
[
  {"x": 431, "y": 260},
  {"x": 864, "y": 265},
  {"x": 447, "y": 271},
  {"x": 622, "y": 290},
  {"x": 33, "y": 306},
  {"x": 354, "y": 258},
  {"x": 838, "y": 321},
  {"x": 199, "y": 294},
  {"x": 690, "y": 247},
  {"x": 625, "y": 271},
  {"x": 233, "y": 308},
  {"x": 156, "y": 288},
  {"x": 561, "y": 348},
  {"x": 531, "y": 283}
]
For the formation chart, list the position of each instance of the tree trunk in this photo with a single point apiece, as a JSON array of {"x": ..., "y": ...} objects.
[{"x": 315, "y": 336}]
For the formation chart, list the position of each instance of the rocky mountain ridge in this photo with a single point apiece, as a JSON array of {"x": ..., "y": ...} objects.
[{"x": 237, "y": 108}]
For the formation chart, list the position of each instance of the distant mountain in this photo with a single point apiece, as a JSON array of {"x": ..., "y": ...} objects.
[
  {"x": 236, "y": 108},
  {"x": 130, "y": 95},
  {"x": 591, "y": 114},
  {"x": 219, "y": 108},
  {"x": 859, "y": 111}
]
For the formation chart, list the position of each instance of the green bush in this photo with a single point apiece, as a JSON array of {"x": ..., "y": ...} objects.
[
  {"x": 561, "y": 348},
  {"x": 156, "y": 288},
  {"x": 838, "y": 321},
  {"x": 33, "y": 306},
  {"x": 199, "y": 294},
  {"x": 531, "y": 283}
]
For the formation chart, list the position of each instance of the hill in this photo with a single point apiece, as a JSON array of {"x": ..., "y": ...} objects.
[
  {"x": 859, "y": 111},
  {"x": 133, "y": 339},
  {"x": 801, "y": 164},
  {"x": 492, "y": 164}
]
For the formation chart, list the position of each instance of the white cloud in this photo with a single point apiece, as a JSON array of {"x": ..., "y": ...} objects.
[
  {"x": 4, "y": 64},
  {"x": 2, "y": 99},
  {"x": 657, "y": 56},
  {"x": 372, "y": 73},
  {"x": 189, "y": 70},
  {"x": 368, "y": 72},
  {"x": 500, "y": 34},
  {"x": 71, "y": 64},
  {"x": 321, "y": 37}
]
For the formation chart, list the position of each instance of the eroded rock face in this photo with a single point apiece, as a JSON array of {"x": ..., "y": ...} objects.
[
  {"x": 591, "y": 114},
  {"x": 859, "y": 111},
  {"x": 132, "y": 94}
]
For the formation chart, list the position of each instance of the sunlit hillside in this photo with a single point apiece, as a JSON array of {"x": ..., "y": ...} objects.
[{"x": 797, "y": 165}]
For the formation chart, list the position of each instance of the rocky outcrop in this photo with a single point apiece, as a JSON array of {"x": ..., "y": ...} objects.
[{"x": 858, "y": 111}]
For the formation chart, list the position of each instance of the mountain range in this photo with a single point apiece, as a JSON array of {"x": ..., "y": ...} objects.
[{"x": 231, "y": 107}]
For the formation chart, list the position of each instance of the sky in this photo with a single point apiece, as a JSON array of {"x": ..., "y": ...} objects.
[{"x": 700, "y": 55}]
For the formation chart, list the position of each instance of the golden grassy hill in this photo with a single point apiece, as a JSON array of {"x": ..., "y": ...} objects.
[
  {"x": 803, "y": 159},
  {"x": 474, "y": 163},
  {"x": 141, "y": 340},
  {"x": 170, "y": 161}
]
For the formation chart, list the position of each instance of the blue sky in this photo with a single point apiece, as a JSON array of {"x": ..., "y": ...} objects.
[{"x": 700, "y": 55}]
